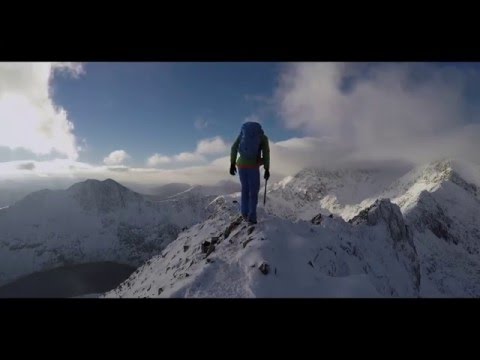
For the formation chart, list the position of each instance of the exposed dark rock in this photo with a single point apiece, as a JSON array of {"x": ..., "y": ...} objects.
[
  {"x": 232, "y": 227},
  {"x": 205, "y": 246},
  {"x": 246, "y": 242},
  {"x": 210, "y": 250},
  {"x": 264, "y": 268},
  {"x": 317, "y": 220}
]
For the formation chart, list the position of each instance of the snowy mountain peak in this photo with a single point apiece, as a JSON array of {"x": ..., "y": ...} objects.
[
  {"x": 103, "y": 196},
  {"x": 461, "y": 173},
  {"x": 439, "y": 171},
  {"x": 448, "y": 169},
  {"x": 98, "y": 185},
  {"x": 310, "y": 176},
  {"x": 340, "y": 191},
  {"x": 431, "y": 177},
  {"x": 90, "y": 221}
]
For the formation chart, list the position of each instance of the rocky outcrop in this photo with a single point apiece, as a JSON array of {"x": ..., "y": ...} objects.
[
  {"x": 383, "y": 211},
  {"x": 428, "y": 215}
]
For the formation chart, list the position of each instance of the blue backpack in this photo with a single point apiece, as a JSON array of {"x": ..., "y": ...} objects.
[{"x": 250, "y": 140}]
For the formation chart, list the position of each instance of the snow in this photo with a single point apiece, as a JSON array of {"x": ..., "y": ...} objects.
[
  {"x": 172, "y": 191},
  {"x": 340, "y": 192},
  {"x": 89, "y": 222},
  {"x": 337, "y": 251},
  {"x": 393, "y": 233},
  {"x": 388, "y": 251}
]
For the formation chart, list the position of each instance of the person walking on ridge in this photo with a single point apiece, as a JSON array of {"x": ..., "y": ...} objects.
[{"x": 252, "y": 145}]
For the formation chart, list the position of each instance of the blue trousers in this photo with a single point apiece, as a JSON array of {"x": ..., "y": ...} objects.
[{"x": 250, "y": 180}]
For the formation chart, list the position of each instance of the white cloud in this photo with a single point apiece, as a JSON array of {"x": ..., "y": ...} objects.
[
  {"x": 294, "y": 155},
  {"x": 59, "y": 168},
  {"x": 184, "y": 157},
  {"x": 397, "y": 111},
  {"x": 29, "y": 119},
  {"x": 187, "y": 157},
  {"x": 76, "y": 171},
  {"x": 157, "y": 159},
  {"x": 204, "y": 148},
  {"x": 116, "y": 157},
  {"x": 212, "y": 146},
  {"x": 287, "y": 158}
]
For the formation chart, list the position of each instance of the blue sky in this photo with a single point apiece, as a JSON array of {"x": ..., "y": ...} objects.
[
  {"x": 175, "y": 122},
  {"x": 147, "y": 108}
]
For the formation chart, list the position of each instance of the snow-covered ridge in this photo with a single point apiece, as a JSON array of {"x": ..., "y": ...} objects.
[
  {"x": 223, "y": 257},
  {"x": 423, "y": 242},
  {"x": 431, "y": 176},
  {"x": 352, "y": 232},
  {"x": 346, "y": 191},
  {"x": 339, "y": 192},
  {"x": 90, "y": 221},
  {"x": 175, "y": 191}
]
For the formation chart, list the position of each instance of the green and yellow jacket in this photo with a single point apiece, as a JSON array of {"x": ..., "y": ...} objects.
[{"x": 262, "y": 159}]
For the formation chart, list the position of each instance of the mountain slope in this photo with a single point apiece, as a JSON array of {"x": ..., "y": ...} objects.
[
  {"x": 165, "y": 191},
  {"x": 333, "y": 258},
  {"x": 89, "y": 222},
  {"x": 339, "y": 192},
  {"x": 443, "y": 198},
  {"x": 425, "y": 242},
  {"x": 174, "y": 190}
]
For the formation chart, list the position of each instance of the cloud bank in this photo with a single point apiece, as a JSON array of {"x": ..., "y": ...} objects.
[
  {"x": 29, "y": 119},
  {"x": 206, "y": 147},
  {"x": 414, "y": 112}
]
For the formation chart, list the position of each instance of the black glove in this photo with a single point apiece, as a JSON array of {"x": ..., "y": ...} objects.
[
  {"x": 267, "y": 175},
  {"x": 233, "y": 170}
]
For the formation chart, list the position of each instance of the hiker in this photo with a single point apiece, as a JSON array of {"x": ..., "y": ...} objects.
[{"x": 252, "y": 145}]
